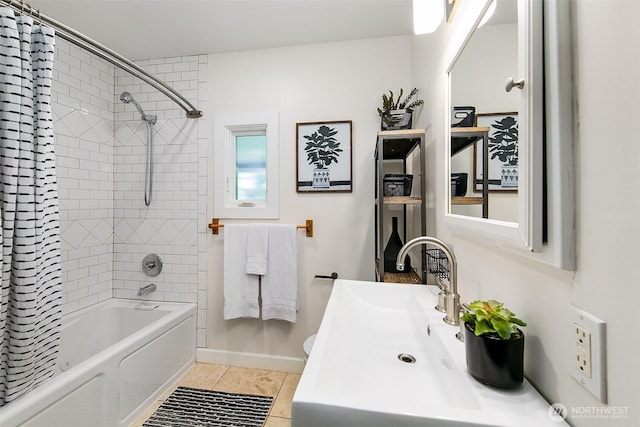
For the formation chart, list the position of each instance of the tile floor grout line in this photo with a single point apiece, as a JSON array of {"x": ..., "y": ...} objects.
[
  {"x": 227, "y": 367},
  {"x": 284, "y": 380},
  {"x": 275, "y": 399}
]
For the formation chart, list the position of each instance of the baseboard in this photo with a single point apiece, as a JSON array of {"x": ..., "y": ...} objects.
[{"x": 250, "y": 360}]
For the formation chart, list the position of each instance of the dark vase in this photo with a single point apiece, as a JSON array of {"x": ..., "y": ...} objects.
[
  {"x": 492, "y": 360},
  {"x": 392, "y": 250}
]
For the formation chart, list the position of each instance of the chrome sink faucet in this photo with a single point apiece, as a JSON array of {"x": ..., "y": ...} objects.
[
  {"x": 146, "y": 289},
  {"x": 451, "y": 297}
]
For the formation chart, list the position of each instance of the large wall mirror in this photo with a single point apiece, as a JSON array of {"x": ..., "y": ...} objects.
[
  {"x": 504, "y": 167},
  {"x": 477, "y": 90}
]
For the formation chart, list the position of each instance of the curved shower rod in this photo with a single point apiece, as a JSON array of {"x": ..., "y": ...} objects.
[{"x": 80, "y": 40}]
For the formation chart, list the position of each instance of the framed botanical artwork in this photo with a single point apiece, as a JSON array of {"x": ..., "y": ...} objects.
[
  {"x": 323, "y": 155},
  {"x": 503, "y": 152}
]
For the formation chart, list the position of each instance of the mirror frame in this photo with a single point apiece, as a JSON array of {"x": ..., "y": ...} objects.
[{"x": 554, "y": 99}]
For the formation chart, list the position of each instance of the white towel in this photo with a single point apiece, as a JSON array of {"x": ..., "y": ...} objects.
[
  {"x": 257, "y": 241},
  {"x": 280, "y": 283},
  {"x": 240, "y": 288}
]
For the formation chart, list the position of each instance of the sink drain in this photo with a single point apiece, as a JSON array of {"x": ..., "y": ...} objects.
[{"x": 406, "y": 358}]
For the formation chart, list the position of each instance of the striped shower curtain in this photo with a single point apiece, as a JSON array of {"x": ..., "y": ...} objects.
[{"x": 30, "y": 312}]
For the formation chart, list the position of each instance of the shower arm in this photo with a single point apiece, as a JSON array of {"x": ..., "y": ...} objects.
[{"x": 82, "y": 41}]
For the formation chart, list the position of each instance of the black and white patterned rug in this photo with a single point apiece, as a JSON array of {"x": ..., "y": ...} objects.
[{"x": 191, "y": 407}]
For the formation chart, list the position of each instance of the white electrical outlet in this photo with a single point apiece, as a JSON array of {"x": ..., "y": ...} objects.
[
  {"x": 583, "y": 350},
  {"x": 588, "y": 351}
]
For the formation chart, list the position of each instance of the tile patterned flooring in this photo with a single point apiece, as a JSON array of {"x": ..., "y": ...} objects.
[{"x": 231, "y": 379}]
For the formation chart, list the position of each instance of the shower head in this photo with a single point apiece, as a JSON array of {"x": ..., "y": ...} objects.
[{"x": 127, "y": 98}]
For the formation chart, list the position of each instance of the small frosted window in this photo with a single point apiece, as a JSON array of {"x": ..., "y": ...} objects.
[
  {"x": 251, "y": 167},
  {"x": 245, "y": 166}
]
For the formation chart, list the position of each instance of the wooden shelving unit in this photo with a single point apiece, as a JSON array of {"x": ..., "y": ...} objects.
[
  {"x": 398, "y": 145},
  {"x": 405, "y": 278},
  {"x": 410, "y": 278},
  {"x": 461, "y": 139},
  {"x": 397, "y": 200}
]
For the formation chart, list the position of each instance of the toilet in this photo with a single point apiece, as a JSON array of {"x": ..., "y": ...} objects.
[{"x": 308, "y": 345}]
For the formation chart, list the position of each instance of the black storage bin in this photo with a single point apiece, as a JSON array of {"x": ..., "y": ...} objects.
[
  {"x": 396, "y": 120},
  {"x": 397, "y": 184},
  {"x": 463, "y": 117},
  {"x": 458, "y": 184}
]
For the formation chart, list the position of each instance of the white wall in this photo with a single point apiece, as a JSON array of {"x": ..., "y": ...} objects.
[
  {"x": 338, "y": 81},
  {"x": 608, "y": 208}
]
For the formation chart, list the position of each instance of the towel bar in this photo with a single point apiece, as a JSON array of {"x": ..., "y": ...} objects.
[{"x": 215, "y": 226}]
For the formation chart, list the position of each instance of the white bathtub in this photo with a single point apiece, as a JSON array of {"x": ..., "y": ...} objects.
[{"x": 115, "y": 358}]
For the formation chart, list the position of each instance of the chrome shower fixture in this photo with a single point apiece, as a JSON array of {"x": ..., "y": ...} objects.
[
  {"x": 127, "y": 98},
  {"x": 150, "y": 120}
]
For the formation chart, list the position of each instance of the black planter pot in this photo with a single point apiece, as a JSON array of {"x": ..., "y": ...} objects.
[{"x": 494, "y": 361}]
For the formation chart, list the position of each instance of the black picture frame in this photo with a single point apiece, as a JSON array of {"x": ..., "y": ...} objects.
[
  {"x": 324, "y": 157},
  {"x": 503, "y": 152}
]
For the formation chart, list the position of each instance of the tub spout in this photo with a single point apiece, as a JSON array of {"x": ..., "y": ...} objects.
[
  {"x": 451, "y": 297},
  {"x": 146, "y": 289}
]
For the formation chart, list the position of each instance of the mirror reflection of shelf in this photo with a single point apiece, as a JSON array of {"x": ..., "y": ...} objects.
[
  {"x": 461, "y": 139},
  {"x": 466, "y": 200}
]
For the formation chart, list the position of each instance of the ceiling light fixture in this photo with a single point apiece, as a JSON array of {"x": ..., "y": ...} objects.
[{"x": 427, "y": 15}]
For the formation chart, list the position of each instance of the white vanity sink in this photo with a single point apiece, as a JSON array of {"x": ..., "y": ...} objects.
[{"x": 354, "y": 376}]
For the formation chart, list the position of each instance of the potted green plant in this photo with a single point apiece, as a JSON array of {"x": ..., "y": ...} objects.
[
  {"x": 397, "y": 113},
  {"x": 322, "y": 149},
  {"x": 494, "y": 345}
]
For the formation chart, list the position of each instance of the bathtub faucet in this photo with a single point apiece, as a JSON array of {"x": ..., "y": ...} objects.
[
  {"x": 451, "y": 297},
  {"x": 146, "y": 289}
]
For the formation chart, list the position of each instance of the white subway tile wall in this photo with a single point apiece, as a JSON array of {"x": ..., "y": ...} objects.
[
  {"x": 82, "y": 97},
  {"x": 106, "y": 228},
  {"x": 169, "y": 226}
]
